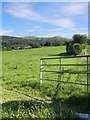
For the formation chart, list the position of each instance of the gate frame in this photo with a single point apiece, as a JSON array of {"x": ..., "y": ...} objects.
[{"x": 87, "y": 72}]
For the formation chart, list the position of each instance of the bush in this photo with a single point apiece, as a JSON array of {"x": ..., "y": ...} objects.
[{"x": 74, "y": 49}]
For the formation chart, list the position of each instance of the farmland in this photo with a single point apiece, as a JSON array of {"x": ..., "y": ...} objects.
[{"x": 24, "y": 96}]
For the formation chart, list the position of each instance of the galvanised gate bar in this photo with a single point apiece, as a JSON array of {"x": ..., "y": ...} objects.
[{"x": 60, "y": 71}]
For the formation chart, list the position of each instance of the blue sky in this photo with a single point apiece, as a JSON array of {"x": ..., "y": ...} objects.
[{"x": 44, "y": 18}]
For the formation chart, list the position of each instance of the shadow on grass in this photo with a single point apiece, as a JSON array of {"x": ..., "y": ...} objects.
[
  {"x": 60, "y": 54},
  {"x": 21, "y": 109},
  {"x": 80, "y": 104},
  {"x": 34, "y": 109}
]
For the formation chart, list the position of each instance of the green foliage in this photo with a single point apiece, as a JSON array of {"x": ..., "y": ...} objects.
[
  {"x": 48, "y": 43},
  {"x": 32, "y": 109},
  {"x": 88, "y": 41},
  {"x": 78, "y": 43},
  {"x": 35, "y": 45},
  {"x": 81, "y": 39},
  {"x": 75, "y": 49},
  {"x": 68, "y": 47},
  {"x": 10, "y": 42}
]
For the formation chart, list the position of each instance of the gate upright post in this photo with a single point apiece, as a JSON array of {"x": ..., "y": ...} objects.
[
  {"x": 40, "y": 71},
  {"x": 60, "y": 73},
  {"x": 87, "y": 78}
]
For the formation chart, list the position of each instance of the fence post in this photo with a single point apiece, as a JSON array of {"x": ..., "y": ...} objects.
[
  {"x": 40, "y": 71},
  {"x": 87, "y": 78}
]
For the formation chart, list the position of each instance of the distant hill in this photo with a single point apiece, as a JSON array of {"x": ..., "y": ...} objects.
[{"x": 12, "y": 42}]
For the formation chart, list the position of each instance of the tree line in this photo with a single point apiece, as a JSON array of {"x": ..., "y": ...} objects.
[
  {"x": 73, "y": 46},
  {"x": 10, "y": 42}
]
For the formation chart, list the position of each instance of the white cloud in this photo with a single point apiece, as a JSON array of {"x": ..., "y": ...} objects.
[
  {"x": 26, "y": 11},
  {"x": 34, "y": 29},
  {"x": 23, "y": 10},
  {"x": 75, "y": 8},
  {"x": 5, "y": 32},
  {"x": 66, "y": 33},
  {"x": 63, "y": 22}
]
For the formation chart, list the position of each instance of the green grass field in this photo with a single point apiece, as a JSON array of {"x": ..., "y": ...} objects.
[{"x": 24, "y": 96}]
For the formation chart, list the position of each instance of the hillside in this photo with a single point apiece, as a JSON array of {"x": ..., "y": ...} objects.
[{"x": 11, "y": 42}]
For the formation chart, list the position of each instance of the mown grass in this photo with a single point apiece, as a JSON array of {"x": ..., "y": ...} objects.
[{"x": 24, "y": 96}]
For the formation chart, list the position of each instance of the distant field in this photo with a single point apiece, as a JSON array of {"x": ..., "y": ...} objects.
[{"x": 21, "y": 81}]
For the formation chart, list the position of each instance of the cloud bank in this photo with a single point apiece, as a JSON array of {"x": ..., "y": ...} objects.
[{"x": 26, "y": 11}]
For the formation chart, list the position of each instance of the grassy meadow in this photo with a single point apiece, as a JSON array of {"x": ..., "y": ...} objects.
[{"x": 24, "y": 96}]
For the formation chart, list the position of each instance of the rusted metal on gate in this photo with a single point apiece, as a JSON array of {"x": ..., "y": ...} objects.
[{"x": 87, "y": 72}]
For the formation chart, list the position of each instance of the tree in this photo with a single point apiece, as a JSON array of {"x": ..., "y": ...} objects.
[
  {"x": 89, "y": 41},
  {"x": 47, "y": 43},
  {"x": 81, "y": 39},
  {"x": 35, "y": 45}
]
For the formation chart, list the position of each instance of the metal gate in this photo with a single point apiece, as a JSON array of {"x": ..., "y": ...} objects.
[{"x": 85, "y": 63}]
